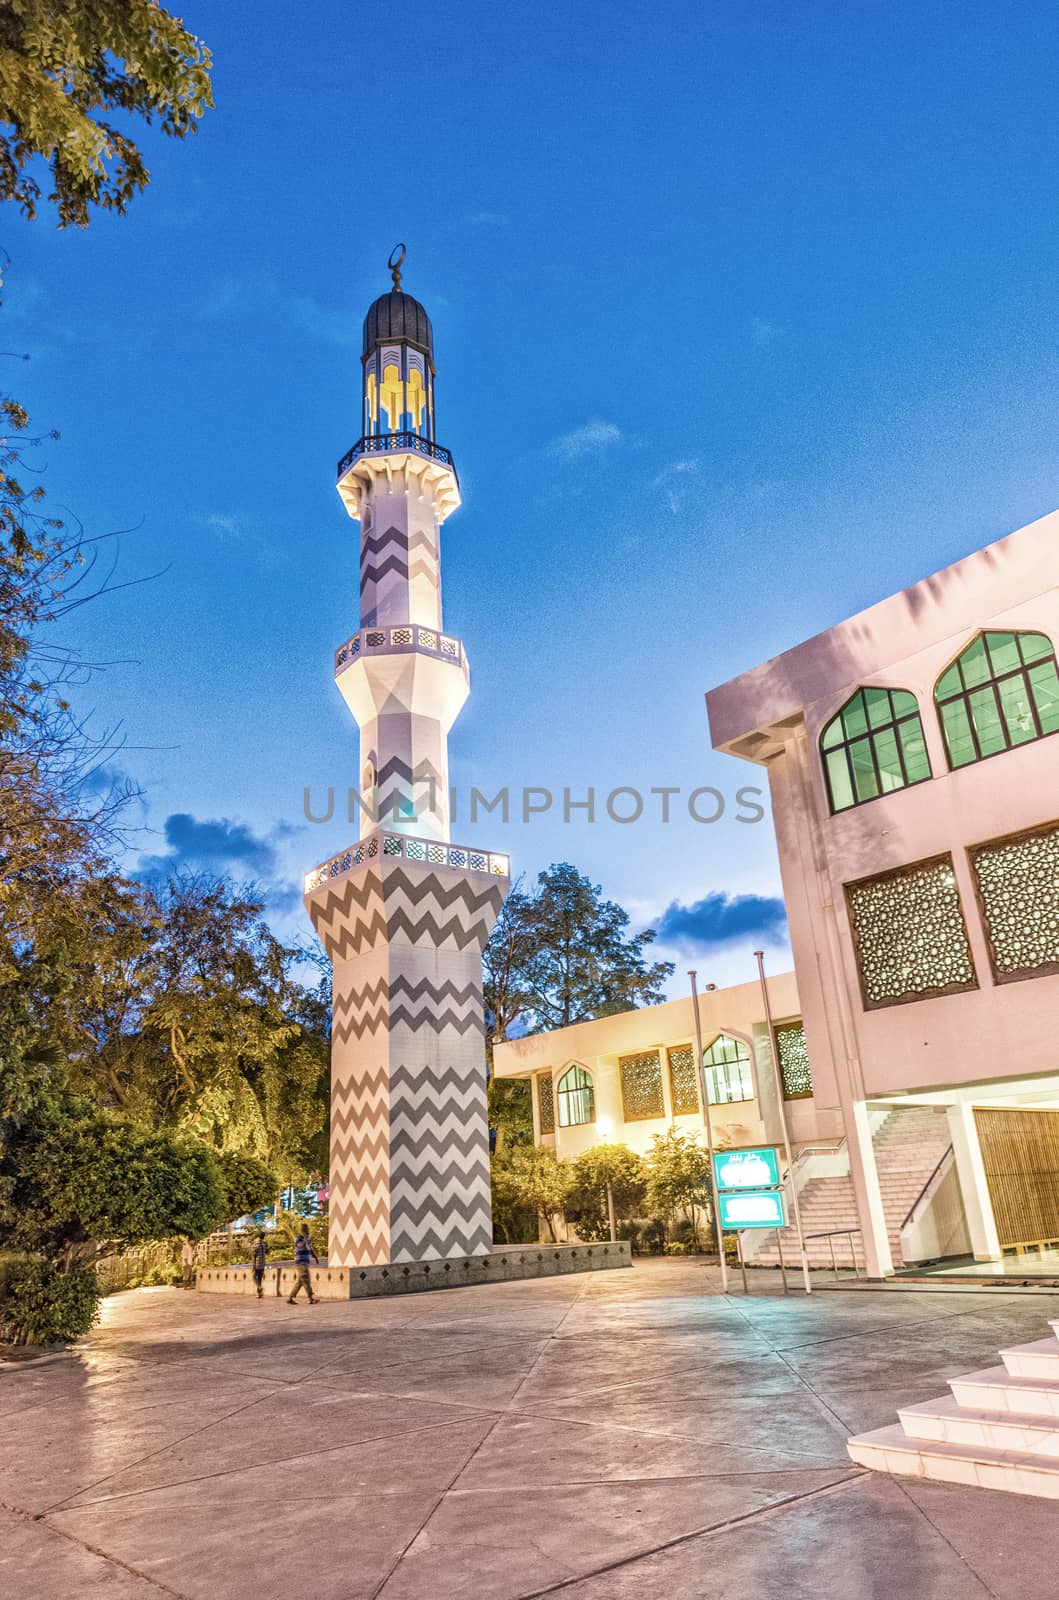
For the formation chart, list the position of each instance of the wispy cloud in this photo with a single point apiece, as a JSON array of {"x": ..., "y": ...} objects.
[
  {"x": 590, "y": 440},
  {"x": 222, "y": 523},
  {"x": 722, "y": 919},
  {"x": 674, "y": 481}
]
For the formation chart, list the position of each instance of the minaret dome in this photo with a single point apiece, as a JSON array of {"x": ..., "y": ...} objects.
[{"x": 398, "y": 363}]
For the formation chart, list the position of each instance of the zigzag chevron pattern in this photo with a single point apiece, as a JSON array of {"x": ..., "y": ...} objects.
[
  {"x": 400, "y": 785},
  {"x": 439, "y": 1162},
  {"x": 359, "y": 1212},
  {"x": 369, "y": 909},
  {"x": 443, "y": 1242},
  {"x": 360, "y": 1011},
  {"x": 376, "y": 543},
  {"x": 421, "y": 771},
  {"x": 350, "y": 919},
  {"x": 418, "y": 569}
]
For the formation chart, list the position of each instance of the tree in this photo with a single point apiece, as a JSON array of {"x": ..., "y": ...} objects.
[
  {"x": 606, "y": 1164},
  {"x": 246, "y": 1184},
  {"x": 679, "y": 1177},
  {"x": 504, "y": 962},
  {"x": 62, "y": 62},
  {"x": 532, "y": 1176},
  {"x": 511, "y": 1111},
  {"x": 173, "y": 1003},
  {"x": 564, "y": 955}
]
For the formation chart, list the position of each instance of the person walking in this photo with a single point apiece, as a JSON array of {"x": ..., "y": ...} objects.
[
  {"x": 187, "y": 1256},
  {"x": 258, "y": 1261},
  {"x": 303, "y": 1254}
]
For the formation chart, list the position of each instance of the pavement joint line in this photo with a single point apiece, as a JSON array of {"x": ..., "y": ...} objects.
[
  {"x": 864, "y": 1333},
  {"x": 379, "y": 1588},
  {"x": 273, "y": 1461},
  {"x": 804, "y": 1381},
  {"x": 650, "y": 1433},
  {"x": 761, "y": 1512},
  {"x": 214, "y": 1421},
  {"x": 103, "y": 1555},
  {"x": 942, "y": 1536}
]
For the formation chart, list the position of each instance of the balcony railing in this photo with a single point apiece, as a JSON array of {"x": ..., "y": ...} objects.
[
  {"x": 380, "y": 443},
  {"x": 433, "y": 852},
  {"x": 408, "y": 636}
]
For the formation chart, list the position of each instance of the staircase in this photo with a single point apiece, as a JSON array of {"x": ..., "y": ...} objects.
[
  {"x": 998, "y": 1429},
  {"x": 908, "y": 1146}
]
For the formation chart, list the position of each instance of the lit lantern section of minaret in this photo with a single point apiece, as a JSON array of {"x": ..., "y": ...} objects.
[{"x": 402, "y": 676}]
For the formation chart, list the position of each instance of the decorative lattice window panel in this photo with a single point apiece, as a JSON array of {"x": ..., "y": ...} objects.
[
  {"x": 641, "y": 1086},
  {"x": 794, "y": 1060},
  {"x": 546, "y": 1103},
  {"x": 683, "y": 1080},
  {"x": 909, "y": 934},
  {"x": 1018, "y": 885}
]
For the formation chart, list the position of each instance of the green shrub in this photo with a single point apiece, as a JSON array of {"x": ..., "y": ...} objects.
[
  {"x": 41, "y": 1304},
  {"x": 653, "y": 1236}
]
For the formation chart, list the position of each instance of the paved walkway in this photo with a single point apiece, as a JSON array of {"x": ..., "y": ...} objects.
[{"x": 625, "y": 1434}]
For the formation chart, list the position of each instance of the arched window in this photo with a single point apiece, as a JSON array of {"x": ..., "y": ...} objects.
[
  {"x": 873, "y": 746},
  {"x": 576, "y": 1097},
  {"x": 1002, "y": 691},
  {"x": 727, "y": 1071}
]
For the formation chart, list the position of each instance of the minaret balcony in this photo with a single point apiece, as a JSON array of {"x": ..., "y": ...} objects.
[
  {"x": 431, "y": 463},
  {"x": 431, "y": 852},
  {"x": 407, "y": 636}
]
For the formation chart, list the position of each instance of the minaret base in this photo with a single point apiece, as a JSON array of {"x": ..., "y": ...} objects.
[
  {"x": 504, "y": 1264},
  {"x": 409, "y": 1175}
]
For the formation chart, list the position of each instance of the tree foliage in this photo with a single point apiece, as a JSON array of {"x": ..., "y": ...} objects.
[
  {"x": 65, "y": 64},
  {"x": 563, "y": 954},
  {"x": 594, "y": 1169},
  {"x": 531, "y": 1176},
  {"x": 679, "y": 1177}
]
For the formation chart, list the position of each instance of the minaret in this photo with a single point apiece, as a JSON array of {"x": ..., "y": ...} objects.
[{"x": 403, "y": 913}]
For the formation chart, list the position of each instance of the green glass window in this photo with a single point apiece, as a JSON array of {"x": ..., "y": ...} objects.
[
  {"x": 874, "y": 746},
  {"x": 728, "y": 1073},
  {"x": 576, "y": 1097},
  {"x": 1002, "y": 691}
]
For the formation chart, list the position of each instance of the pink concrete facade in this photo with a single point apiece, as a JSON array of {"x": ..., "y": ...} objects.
[{"x": 775, "y": 714}]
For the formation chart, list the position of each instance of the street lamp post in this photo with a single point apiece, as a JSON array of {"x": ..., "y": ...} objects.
[
  {"x": 709, "y": 1130},
  {"x": 603, "y": 1124},
  {"x": 777, "y": 1075}
]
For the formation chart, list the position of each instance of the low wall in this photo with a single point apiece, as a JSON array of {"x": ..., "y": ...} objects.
[{"x": 413, "y": 1277}]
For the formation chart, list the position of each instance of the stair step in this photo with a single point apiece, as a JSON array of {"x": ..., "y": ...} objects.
[
  {"x": 948, "y": 1422},
  {"x": 1015, "y": 1472},
  {"x": 1037, "y": 1360},
  {"x": 994, "y": 1389}
]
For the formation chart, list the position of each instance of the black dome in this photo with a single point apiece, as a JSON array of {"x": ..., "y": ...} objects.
[{"x": 396, "y": 316}]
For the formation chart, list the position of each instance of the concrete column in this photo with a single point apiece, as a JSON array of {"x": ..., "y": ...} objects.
[
  {"x": 868, "y": 1194},
  {"x": 978, "y": 1208}
]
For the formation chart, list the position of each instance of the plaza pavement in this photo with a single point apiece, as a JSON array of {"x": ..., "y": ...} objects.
[{"x": 622, "y": 1434}]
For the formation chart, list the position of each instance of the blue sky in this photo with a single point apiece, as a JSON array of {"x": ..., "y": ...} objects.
[{"x": 745, "y": 317}]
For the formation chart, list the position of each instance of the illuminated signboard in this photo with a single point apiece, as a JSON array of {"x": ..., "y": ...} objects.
[
  {"x": 747, "y": 1169},
  {"x": 762, "y": 1208}
]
